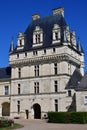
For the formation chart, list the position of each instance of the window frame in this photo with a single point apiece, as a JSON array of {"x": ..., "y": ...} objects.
[
  {"x": 56, "y": 86},
  {"x": 55, "y": 69},
  {"x": 56, "y": 105},
  {"x": 36, "y": 70},
  {"x": 85, "y": 100},
  {"x": 36, "y": 87},
  {"x": 6, "y": 90}
]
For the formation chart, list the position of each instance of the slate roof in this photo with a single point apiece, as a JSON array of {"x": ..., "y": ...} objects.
[
  {"x": 5, "y": 73},
  {"x": 83, "y": 84},
  {"x": 74, "y": 80},
  {"x": 46, "y": 24}
]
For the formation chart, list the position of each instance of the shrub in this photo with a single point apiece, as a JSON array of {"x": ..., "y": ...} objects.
[
  {"x": 6, "y": 122},
  {"x": 67, "y": 117}
]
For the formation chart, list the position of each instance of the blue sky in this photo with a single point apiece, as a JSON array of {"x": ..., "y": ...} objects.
[{"x": 15, "y": 16}]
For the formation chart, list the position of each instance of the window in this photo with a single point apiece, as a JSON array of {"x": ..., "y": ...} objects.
[
  {"x": 6, "y": 90},
  {"x": 44, "y": 51},
  {"x": 54, "y": 50},
  {"x": 18, "y": 88},
  {"x": 56, "y": 86},
  {"x": 17, "y": 55},
  {"x": 36, "y": 87},
  {"x": 69, "y": 93},
  {"x": 25, "y": 54},
  {"x": 56, "y": 105},
  {"x": 56, "y": 33},
  {"x": 36, "y": 70},
  {"x": 55, "y": 68},
  {"x": 19, "y": 72},
  {"x": 85, "y": 100},
  {"x": 18, "y": 106},
  {"x": 34, "y": 53},
  {"x": 37, "y": 38}
]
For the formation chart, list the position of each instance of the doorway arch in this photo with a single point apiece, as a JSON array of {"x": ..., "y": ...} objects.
[
  {"x": 37, "y": 111},
  {"x": 6, "y": 109}
]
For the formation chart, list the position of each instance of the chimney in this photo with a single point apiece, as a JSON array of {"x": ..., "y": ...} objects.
[
  {"x": 59, "y": 11},
  {"x": 35, "y": 16}
]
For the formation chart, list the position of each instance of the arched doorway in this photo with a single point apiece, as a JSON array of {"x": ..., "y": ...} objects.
[
  {"x": 37, "y": 111},
  {"x": 6, "y": 109}
]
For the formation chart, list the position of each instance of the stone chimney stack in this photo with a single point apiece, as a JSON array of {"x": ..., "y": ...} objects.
[
  {"x": 35, "y": 17},
  {"x": 59, "y": 11}
]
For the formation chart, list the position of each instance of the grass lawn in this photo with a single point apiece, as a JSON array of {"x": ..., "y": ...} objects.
[{"x": 15, "y": 126}]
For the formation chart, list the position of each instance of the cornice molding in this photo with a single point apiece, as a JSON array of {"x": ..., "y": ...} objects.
[{"x": 45, "y": 59}]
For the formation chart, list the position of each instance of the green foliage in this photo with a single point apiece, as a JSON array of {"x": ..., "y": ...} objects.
[
  {"x": 6, "y": 122},
  {"x": 67, "y": 117}
]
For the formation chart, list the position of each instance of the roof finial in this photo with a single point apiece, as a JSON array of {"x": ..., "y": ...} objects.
[
  {"x": 79, "y": 47},
  {"x": 11, "y": 45}
]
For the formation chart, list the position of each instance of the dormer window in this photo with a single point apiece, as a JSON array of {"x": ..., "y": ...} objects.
[
  {"x": 21, "y": 41},
  {"x": 56, "y": 34},
  {"x": 37, "y": 36}
]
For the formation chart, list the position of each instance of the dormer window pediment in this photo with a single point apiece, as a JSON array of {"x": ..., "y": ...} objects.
[
  {"x": 37, "y": 36},
  {"x": 56, "y": 33}
]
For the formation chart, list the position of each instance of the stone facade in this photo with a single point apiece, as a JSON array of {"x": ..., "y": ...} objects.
[{"x": 40, "y": 71}]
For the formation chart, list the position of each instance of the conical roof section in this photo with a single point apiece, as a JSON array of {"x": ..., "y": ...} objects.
[{"x": 74, "y": 80}]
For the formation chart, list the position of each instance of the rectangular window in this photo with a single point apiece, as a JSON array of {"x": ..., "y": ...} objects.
[
  {"x": 18, "y": 88},
  {"x": 37, "y": 38},
  {"x": 19, "y": 72},
  {"x": 54, "y": 50},
  {"x": 36, "y": 70},
  {"x": 69, "y": 93},
  {"x": 6, "y": 90},
  {"x": 55, "y": 69},
  {"x": 18, "y": 106},
  {"x": 17, "y": 55},
  {"x": 25, "y": 54},
  {"x": 34, "y": 53},
  {"x": 56, "y": 86},
  {"x": 36, "y": 87},
  {"x": 85, "y": 100},
  {"x": 45, "y": 51},
  {"x": 56, "y": 105}
]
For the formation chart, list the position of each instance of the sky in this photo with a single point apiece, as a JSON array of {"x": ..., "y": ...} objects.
[{"x": 15, "y": 16}]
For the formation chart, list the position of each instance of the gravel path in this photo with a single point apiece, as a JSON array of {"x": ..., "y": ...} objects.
[{"x": 42, "y": 125}]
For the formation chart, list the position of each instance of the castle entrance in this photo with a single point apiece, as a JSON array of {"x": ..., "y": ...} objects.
[{"x": 37, "y": 111}]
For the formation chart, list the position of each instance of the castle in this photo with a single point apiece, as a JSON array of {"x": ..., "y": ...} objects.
[{"x": 46, "y": 70}]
